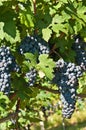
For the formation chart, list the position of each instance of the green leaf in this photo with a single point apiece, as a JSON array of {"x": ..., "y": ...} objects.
[
  {"x": 26, "y": 66},
  {"x": 65, "y": 16},
  {"x": 46, "y": 65},
  {"x": 21, "y": 0},
  {"x": 1, "y": 31},
  {"x": 26, "y": 18},
  {"x": 59, "y": 27},
  {"x": 46, "y": 32},
  {"x": 1, "y": 2},
  {"x": 81, "y": 12},
  {"x": 64, "y": 1},
  {"x": 32, "y": 59},
  {"x": 82, "y": 84},
  {"x": 11, "y": 39},
  {"x": 10, "y": 28},
  {"x": 78, "y": 26},
  {"x": 57, "y": 19},
  {"x": 22, "y": 90},
  {"x": 9, "y": 24},
  {"x": 6, "y": 99},
  {"x": 43, "y": 96}
]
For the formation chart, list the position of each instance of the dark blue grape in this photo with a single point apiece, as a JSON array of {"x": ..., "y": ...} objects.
[
  {"x": 33, "y": 44},
  {"x": 80, "y": 48},
  {"x": 66, "y": 78},
  {"x": 31, "y": 76},
  {"x": 7, "y": 65}
]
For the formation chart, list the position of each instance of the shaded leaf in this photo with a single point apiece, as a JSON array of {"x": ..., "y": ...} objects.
[
  {"x": 10, "y": 28},
  {"x": 9, "y": 24}
]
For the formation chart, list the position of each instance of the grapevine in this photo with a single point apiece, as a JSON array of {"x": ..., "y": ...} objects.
[{"x": 42, "y": 61}]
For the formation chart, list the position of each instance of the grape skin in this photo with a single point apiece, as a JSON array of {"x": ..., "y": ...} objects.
[
  {"x": 33, "y": 44},
  {"x": 66, "y": 77},
  {"x": 80, "y": 48},
  {"x": 31, "y": 76},
  {"x": 7, "y": 65}
]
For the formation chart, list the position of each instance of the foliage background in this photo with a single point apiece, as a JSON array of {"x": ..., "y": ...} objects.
[{"x": 56, "y": 22}]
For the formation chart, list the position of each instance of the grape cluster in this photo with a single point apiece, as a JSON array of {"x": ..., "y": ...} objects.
[
  {"x": 7, "y": 65},
  {"x": 33, "y": 44},
  {"x": 31, "y": 76},
  {"x": 80, "y": 48},
  {"x": 66, "y": 77}
]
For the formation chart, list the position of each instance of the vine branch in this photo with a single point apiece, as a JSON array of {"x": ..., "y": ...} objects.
[
  {"x": 47, "y": 89},
  {"x": 18, "y": 104},
  {"x": 56, "y": 91},
  {"x": 34, "y": 7},
  {"x": 35, "y": 11},
  {"x": 81, "y": 95},
  {"x": 10, "y": 116},
  {"x": 13, "y": 115}
]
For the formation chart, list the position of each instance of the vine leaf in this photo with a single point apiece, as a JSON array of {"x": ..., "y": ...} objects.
[
  {"x": 31, "y": 58},
  {"x": 82, "y": 84},
  {"x": 26, "y": 18},
  {"x": 46, "y": 65},
  {"x": 4, "y": 102},
  {"x": 46, "y": 33},
  {"x": 10, "y": 28},
  {"x": 9, "y": 23}
]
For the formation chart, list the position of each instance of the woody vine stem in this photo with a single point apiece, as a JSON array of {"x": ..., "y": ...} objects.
[{"x": 34, "y": 7}]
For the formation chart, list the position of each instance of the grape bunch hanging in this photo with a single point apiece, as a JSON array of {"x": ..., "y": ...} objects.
[
  {"x": 7, "y": 65},
  {"x": 67, "y": 74},
  {"x": 66, "y": 77},
  {"x": 33, "y": 44},
  {"x": 80, "y": 48}
]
